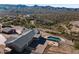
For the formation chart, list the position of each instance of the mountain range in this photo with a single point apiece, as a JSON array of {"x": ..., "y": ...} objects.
[{"x": 8, "y": 9}]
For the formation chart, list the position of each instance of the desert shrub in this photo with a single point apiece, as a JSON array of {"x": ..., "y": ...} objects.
[
  {"x": 76, "y": 44},
  {"x": 53, "y": 32}
]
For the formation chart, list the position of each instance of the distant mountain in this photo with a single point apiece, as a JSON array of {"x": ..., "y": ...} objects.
[{"x": 6, "y": 9}]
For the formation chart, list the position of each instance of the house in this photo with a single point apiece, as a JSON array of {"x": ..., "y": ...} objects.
[
  {"x": 22, "y": 42},
  {"x": 9, "y": 30}
]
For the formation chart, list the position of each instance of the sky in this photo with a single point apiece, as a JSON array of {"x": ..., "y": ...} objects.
[{"x": 55, "y": 3}]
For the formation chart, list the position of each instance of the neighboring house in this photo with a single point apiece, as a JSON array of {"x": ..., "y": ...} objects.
[{"x": 9, "y": 30}]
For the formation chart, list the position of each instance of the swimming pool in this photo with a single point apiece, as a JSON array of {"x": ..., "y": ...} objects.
[{"x": 53, "y": 38}]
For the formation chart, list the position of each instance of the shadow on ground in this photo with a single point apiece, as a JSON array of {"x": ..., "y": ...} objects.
[{"x": 36, "y": 42}]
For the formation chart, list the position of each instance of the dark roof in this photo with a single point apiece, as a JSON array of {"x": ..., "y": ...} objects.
[
  {"x": 8, "y": 30},
  {"x": 22, "y": 40}
]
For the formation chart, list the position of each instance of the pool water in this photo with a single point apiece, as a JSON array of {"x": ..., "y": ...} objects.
[{"x": 56, "y": 39}]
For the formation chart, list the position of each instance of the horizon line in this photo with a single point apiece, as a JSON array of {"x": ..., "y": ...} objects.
[{"x": 52, "y": 5}]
